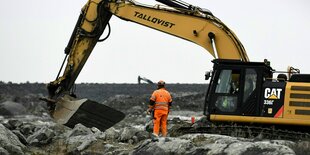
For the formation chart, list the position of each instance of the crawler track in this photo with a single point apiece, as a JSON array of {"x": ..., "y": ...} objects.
[{"x": 247, "y": 131}]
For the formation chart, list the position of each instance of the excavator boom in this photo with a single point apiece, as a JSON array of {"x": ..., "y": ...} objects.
[{"x": 197, "y": 26}]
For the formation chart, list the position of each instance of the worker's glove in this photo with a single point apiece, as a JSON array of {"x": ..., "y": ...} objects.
[{"x": 148, "y": 111}]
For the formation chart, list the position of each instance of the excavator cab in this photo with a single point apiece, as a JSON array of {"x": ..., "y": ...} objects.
[
  {"x": 246, "y": 92},
  {"x": 235, "y": 88}
]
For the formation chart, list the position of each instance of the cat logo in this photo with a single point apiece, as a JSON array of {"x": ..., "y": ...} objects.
[{"x": 273, "y": 93}]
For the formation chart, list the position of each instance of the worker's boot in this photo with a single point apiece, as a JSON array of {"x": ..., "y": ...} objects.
[{"x": 154, "y": 137}]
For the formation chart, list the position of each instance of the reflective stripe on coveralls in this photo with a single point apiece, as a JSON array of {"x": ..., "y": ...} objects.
[{"x": 161, "y": 105}]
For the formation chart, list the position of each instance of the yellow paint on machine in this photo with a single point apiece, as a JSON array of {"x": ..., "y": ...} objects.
[
  {"x": 260, "y": 120},
  {"x": 297, "y": 99}
]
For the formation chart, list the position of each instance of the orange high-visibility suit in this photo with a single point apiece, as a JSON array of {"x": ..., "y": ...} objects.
[{"x": 160, "y": 101}]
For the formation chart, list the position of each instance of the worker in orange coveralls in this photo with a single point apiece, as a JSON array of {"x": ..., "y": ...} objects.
[{"x": 160, "y": 102}]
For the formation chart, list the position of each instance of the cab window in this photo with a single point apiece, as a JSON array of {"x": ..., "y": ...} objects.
[
  {"x": 227, "y": 89},
  {"x": 249, "y": 83}
]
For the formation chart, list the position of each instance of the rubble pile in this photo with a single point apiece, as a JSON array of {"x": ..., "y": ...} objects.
[
  {"x": 38, "y": 137},
  {"x": 25, "y": 128}
]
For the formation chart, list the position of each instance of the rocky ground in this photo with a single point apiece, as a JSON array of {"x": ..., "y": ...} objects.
[{"x": 26, "y": 128}]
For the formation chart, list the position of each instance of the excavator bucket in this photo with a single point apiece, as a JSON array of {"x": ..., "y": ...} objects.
[{"x": 70, "y": 111}]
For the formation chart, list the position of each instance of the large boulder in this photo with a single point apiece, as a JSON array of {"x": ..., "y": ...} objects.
[
  {"x": 133, "y": 135},
  {"x": 79, "y": 138},
  {"x": 3, "y": 151},
  {"x": 13, "y": 124},
  {"x": 9, "y": 142},
  {"x": 127, "y": 134},
  {"x": 110, "y": 134},
  {"x": 9, "y": 108},
  {"x": 79, "y": 130},
  {"x": 41, "y": 137},
  {"x": 79, "y": 143}
]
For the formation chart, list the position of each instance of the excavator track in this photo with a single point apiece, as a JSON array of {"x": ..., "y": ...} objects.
[{"x": 245, "y": 131}]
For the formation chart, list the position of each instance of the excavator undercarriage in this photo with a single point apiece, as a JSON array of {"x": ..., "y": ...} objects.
[{"x": 251, "y": 131}]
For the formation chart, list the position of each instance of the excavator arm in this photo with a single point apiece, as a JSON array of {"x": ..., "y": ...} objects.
[{"x": 178, "y": 19}]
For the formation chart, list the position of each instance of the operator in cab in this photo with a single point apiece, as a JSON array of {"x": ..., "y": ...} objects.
[{"x": 160, "y": 102}]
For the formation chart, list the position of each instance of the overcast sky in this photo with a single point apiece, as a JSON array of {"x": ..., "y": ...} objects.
[{"x": 34, "y": 34}]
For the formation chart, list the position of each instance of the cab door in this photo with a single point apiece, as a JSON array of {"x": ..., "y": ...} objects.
[
  {"x": 251, "y": 92},
  {"x": 226, "y": 88}
]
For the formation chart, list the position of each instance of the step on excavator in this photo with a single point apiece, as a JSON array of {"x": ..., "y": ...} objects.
[{"x": 239, "y": 91}]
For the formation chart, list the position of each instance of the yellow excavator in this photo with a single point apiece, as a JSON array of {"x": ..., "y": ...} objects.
[{"x": 240, "y": 91}]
